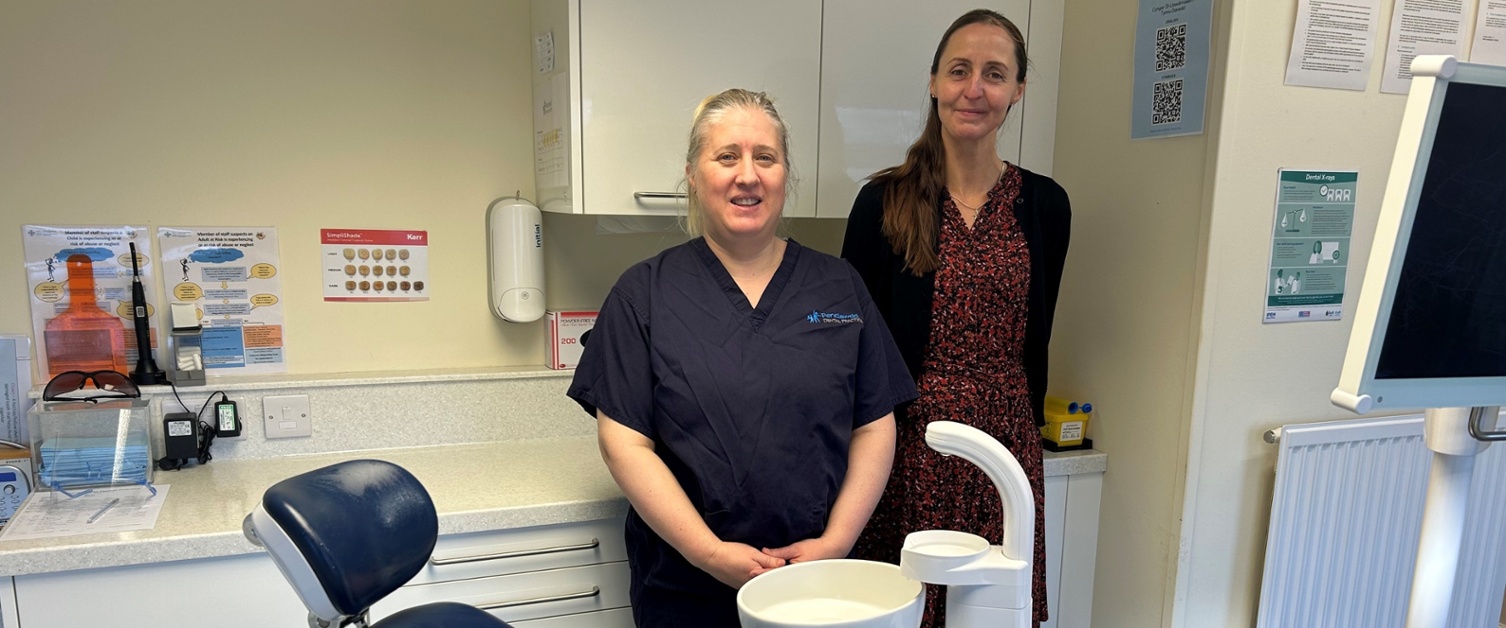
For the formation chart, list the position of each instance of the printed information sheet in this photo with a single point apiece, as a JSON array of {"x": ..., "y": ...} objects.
[
  {"x": 105, "y": 254},
  {"x": 1421, "y": 27},
  {"x": 1333, "y": 44},
  {"x": 375, "y": 265},
  {"x": 1310, "y": 245},
  {"x": 1171, "y": 67},
  {"x": 1490, "y": 33},
  {"x": 102, "y": 510},
  {"x": 230, "y": 275}
]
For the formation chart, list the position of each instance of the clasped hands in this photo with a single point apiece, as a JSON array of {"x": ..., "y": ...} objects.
[{"x": 734, "y": 564}]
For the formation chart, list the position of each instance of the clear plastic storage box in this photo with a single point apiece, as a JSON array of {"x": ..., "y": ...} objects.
[{"x": 79, "y": 444}]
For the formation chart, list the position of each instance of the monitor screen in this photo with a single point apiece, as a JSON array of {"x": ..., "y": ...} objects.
[
  {"x": 1429, "y": 327},
  {"x": 1448, "y": 318}
]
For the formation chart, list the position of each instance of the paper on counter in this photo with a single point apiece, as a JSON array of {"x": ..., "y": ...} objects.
[
  {"x": 1490, "y": 34},
  {"x": 52, "y": 514},
  {"x": 1333, "y": 44},
  {"x": 1421, "y": 27}
]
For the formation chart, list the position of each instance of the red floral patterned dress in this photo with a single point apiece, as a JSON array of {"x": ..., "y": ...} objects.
[{"x": 974, "y": 374}]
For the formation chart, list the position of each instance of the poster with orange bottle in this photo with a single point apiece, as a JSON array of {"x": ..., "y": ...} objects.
[
  {"x": 78, "y": 281},
  {"x": 231, "y": 275}
]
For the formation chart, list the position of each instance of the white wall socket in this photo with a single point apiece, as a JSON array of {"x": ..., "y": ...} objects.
[{"x": 287, "y": 416}]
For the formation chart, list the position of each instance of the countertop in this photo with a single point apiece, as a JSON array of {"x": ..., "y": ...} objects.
[{"x": 476, "y": 488}]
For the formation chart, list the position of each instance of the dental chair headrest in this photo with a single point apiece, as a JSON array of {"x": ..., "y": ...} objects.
[{"x": 348, "y": 534}]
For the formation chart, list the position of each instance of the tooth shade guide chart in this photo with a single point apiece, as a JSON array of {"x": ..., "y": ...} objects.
[{"x": 374, "y": 265}]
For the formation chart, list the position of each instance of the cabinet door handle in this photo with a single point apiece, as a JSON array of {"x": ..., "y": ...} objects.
[
  {"x": 658, "y": 195},
  {"x": 439, "y": 562},
  {"x": 592, "y": 592}
]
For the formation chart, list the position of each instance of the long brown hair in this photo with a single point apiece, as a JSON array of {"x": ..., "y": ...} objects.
[{"x": 914, "y": 187}]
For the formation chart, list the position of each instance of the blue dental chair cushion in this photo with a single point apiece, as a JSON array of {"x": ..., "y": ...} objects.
[{"x": 366, "y": 527}]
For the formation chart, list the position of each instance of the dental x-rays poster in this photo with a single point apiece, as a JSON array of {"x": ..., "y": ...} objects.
[
  {"x": 231, "y": 276},
  {"x": 100, "y": 256},
  {"x": 1310, "y": 245}
]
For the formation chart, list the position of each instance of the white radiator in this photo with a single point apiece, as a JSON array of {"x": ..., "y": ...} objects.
[{"x": 1346, "y": 515}]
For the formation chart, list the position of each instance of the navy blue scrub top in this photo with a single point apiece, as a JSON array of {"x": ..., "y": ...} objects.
[{"x": 752, "y": 409}]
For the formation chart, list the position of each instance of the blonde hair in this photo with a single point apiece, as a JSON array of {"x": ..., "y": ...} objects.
[{"x": 712, "y": 110}]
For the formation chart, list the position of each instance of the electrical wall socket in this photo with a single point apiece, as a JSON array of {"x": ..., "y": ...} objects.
[{"x": 287, "y": 416}]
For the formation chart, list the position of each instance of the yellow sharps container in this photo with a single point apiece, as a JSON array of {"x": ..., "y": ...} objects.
[{"x": 1066, "y": 424}]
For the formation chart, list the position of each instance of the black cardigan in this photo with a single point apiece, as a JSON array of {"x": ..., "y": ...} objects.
[{"x": 1044, "y": 215}]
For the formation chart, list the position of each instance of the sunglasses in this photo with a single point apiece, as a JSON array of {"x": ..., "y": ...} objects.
[{"x": 105, "y": 381}]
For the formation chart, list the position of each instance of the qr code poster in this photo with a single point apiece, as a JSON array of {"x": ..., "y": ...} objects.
[{"x": 1171, "y": 67}]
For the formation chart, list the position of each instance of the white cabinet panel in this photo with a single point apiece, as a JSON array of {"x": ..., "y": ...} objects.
[
  {"x": 616, "y": 84},
  {"x": 643, "y": 67},
  {"x": 875, "y": 63},
  {"x": 615, "y": 618},
  {"x": 1072, "y": 503},
  {"x": 500, "y": 552},
  {"x": 532, "y": 595},
  {"x": 1056, "y": 510},
  {"x": 235, "y": 592}
]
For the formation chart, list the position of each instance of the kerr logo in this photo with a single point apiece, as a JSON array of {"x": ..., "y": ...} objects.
[
  {"x": 1304, "y": 314},
  {"x": 832, "y": 317}
]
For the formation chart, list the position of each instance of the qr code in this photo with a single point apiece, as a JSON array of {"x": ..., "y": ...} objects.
[
  {"x": 1166, "y": 107},
  {"x": 1171, "y": 48}
]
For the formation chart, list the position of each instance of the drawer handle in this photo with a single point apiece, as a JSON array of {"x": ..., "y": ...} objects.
[
  {"x": 658, "y": 195},
  {"x": 592, "y": 592},
  {"x": 439, "y": 562}
]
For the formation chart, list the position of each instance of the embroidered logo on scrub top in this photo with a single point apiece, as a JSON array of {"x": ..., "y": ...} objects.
[{"x": 832, "y": 317}]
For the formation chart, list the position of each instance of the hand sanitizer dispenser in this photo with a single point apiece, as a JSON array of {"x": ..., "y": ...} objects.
[{"x": 515, "y": 259}]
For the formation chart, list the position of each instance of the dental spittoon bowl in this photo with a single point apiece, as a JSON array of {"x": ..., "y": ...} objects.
[{"x": 837, "y": 593}]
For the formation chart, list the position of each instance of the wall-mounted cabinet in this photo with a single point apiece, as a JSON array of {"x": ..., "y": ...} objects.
[{"x": 616, "y": 83}]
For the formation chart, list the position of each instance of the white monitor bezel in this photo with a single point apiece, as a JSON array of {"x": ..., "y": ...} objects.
[{"x": 1358, "y": 388}]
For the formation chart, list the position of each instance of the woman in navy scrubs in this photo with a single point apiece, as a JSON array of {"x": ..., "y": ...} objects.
[
  {"x": 744, "y": 385},
  {"x": 963, "y": 252}
]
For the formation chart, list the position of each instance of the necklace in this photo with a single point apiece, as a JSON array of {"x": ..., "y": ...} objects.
[
  {"x": 964, "y": 205},
  {"x": 959, "y": 201}
]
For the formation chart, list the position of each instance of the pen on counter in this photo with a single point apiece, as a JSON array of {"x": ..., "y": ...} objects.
[{"x": 102, "y": 511}]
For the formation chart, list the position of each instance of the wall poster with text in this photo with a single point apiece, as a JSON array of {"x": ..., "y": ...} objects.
[{"x": 231, "y": 275}]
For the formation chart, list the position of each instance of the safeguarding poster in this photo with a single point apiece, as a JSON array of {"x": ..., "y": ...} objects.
[
  {"x": 1171, "y": 67},
  {"x": 108, "y": 254},
  {"x": 1310, "y": 245},
  {"x": 230, "y": 274}
]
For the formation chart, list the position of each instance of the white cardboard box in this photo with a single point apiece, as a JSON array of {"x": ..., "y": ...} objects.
[
  {"x": 567, "y": 336},
  {"x": 15, "y": 386}
]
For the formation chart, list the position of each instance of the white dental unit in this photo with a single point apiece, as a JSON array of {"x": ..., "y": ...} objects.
[
  {"x": 1430, "y": 326},
  {"x": 987, "y": 585}
]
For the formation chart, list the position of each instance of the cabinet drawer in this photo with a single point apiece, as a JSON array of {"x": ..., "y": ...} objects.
[
  {"x": 615, "y": 618},
  {"x": 482, "y": 554},
  {"x": 245, "y": 591},
  {"x": 532, "y": 595}
]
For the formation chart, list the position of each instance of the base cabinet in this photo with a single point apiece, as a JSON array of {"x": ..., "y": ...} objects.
[
  {"x": 1071, "y": 547},
  {"x": 615, "y": 618},
  {"x": 558, "y": 576},
  {"x": 234, "y": 592},
  {"x": 563, "y": 576}
]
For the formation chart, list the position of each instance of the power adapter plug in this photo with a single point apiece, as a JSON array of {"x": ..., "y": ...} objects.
[{"x": 180, "y": 435}]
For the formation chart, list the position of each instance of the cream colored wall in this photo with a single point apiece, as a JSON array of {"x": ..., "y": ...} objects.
[
  {"x": 379, "y": 114},
  {"x": 298, "y": 115},
  {"x": 1250, "y": 376},
  {"x": 1125, "y": 325}
]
